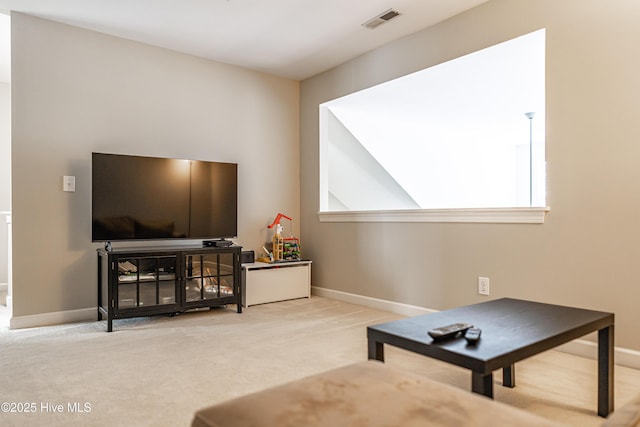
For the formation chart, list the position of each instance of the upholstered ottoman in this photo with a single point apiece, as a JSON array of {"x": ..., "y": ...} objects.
[{"x": 366, "y": 394}]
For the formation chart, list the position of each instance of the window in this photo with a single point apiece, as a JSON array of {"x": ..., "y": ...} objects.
[{"x": 455, "y": 137}]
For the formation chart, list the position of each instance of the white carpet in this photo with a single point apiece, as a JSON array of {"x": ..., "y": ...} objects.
[{"x": 158, "y": 371}]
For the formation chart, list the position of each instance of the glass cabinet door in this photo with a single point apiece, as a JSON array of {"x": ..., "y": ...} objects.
[
  {"x": 127, "y": 283},
  {"x": 208, "y": 276},
  {"x": 146, "y": 281}
]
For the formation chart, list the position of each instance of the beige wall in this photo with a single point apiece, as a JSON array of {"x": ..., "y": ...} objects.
[
  {"x": 5, "y": 177},
  {"x": 5, "y": 146},
  {"x": 587, "y": 253},
  {"x": 76, "y": 91}
]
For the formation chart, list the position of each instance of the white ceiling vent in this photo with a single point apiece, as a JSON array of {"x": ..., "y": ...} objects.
[{"x": 385, "y": 16}]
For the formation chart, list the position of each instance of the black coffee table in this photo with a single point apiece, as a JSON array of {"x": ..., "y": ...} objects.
[{"x": 512, "y": 330}]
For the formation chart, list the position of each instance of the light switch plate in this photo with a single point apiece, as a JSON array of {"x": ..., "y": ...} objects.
[{"x": 69, "y": 183}]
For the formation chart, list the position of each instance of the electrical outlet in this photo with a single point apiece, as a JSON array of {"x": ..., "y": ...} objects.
[{"x": 483, "y": 285}]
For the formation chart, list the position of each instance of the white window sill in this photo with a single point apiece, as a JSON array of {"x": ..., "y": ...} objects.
[{"x": 527, "y": 215}]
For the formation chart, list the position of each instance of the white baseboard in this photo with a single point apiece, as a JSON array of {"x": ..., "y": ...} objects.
[
  {"x": 54, "y": 318},
  {"x": 579, "y": 347},
  {"x": 380, "y": 304},
  {"x": 623, "y": 356}
]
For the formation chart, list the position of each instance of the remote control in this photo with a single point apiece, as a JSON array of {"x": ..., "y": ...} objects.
[
  {"x": 472, "y": 335},
  {"x": 448, "y": 331}
]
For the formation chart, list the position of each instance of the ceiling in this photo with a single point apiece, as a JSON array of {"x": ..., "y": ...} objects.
[{"x": 290, "y": 38}]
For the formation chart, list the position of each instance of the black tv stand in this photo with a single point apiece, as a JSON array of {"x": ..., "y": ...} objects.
[
  {"x": 135, "y": 282},
  {"x": 218, "y": 243}
]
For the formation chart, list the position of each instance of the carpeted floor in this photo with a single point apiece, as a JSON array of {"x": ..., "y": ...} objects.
[{"x": 158, "y": 371}]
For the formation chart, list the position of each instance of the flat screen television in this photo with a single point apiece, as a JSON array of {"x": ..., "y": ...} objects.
[{"x": 152, "y": 198}]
